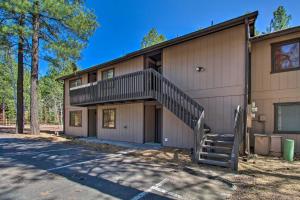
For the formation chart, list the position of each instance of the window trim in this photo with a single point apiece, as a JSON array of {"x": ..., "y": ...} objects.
[
  {"x": 115, "y": 118},
  {"x": 276, "y": 44},
  {"x": 276, "y": 118},
  {"x": 102, "y": 73},
  {"x": 70, "y": 119},
  {"x": 75, "y": 79}
]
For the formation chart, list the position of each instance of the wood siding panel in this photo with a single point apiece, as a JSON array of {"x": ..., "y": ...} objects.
[
  {"x": 219, "y": 89},
  {"x": 129, "y": 123},
  {"x": 69, "y": 130},
  {"x": 129, "y": 66},
  {"x": 268, "y": 88},
  {"x": 177, "y": 133}
]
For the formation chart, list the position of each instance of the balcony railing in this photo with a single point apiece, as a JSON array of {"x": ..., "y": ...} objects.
[
  {"x": 141, "y": 85},
  {"x": 133, "y": 86}
]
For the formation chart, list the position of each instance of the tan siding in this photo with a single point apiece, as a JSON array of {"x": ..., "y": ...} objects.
[
  {"x": 129, "y": 123},
  {"x": 220, "y": 88},
  {"x": 75, "y": 131},
  {"x": 268, "y": 88},
  {"x": 177, "y": 133},
  {"x": 129, "y": 66}
]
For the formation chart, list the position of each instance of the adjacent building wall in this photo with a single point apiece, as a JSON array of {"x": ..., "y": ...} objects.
[
  {"x": 69, "y": 130},
  {"x": 129, "y": 123},
  {"x": 268, "y": 88},
  {"x": 219, "y": 89}
]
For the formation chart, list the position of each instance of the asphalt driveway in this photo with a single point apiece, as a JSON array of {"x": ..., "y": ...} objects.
[{"x": 31, "y": 169}]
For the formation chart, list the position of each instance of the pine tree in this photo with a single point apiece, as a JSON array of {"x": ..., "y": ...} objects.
[
  {"x": 152, "y": 38},
  {"x": 281, "y": 20},
  {"x": 59, "y": 30}
]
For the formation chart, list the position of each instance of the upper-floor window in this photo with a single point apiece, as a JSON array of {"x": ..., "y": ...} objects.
[
  {"x": 286, "y": 56},
  {"x": 107, "y": 74},
  {"x": 75, "y": 82},
  {"x": 287, "y": 117}
]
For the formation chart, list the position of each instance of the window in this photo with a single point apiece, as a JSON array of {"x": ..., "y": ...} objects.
[
  {"x": 286, "y": 56},
  {"x": 75, "y": 82},
  {"x": 107, "y": 74},
  {"x": 76, "y": 118},
  {"x": 287, "y": 117},
  {"x": 109, "y": 118}
]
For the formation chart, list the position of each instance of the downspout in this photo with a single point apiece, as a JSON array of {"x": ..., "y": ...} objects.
[{"x": 247, "y": 81}]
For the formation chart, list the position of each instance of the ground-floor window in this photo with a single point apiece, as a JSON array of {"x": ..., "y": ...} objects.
[
  {"x": 109, "y": 118},
  {"x": 76, "y": 118},
  {"x": 287, "y": 117}
]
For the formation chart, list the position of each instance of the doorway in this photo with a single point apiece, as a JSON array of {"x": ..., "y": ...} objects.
[
  {"x": 92, "y": 122},
  {"x": 153, "y": 124},
  {"x": 92, "y": 77},
  {"x": 154, "y": 61}
]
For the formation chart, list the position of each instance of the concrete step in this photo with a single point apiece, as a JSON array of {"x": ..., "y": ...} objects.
[{"x": 214, "y": 162}]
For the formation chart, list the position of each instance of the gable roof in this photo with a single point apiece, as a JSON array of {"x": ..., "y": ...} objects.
[
  {"x": 251, "y": 17},
  {"x": 275, "y": 34}
]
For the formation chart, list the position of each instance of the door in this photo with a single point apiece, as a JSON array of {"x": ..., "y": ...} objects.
[
  {"x": 92, "y": 122},
  {"x": 158, "y": 125}
]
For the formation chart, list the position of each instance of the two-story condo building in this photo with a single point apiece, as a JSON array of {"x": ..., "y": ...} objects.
[{"x": 158, "y": 94}]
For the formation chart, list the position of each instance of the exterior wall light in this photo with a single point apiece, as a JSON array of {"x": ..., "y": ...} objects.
[{"x": 200, "y": 69}]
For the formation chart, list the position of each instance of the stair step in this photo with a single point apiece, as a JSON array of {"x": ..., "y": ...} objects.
[
  {"x": 217, "y": 147},
  {"x": 214, "y": 162},
  {"x": 221, "y": 142},
  {"x": 206, "y": 130},
  {"x": 222, "y": 137},
  {"x": 215, "y": 155}
]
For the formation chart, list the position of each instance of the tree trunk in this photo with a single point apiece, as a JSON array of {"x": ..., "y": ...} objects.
[
  {"x": 34, "y": 114},
  {"x": 20, "y": 89},
  {"x": 61, "y": 114}
]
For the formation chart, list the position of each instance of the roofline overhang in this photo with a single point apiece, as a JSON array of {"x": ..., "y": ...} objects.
[
  {"x": 275, "y": 34},
  {"x": 251, "y": 17}
]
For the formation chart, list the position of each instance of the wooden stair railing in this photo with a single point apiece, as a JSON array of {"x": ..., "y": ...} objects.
[
  {"x": 238, "y": 133},
  {"x": 216, "y": 149},
  {"x": 209, "y": 148},
  {"x": 175, "y": 100},
  {"x": 146, "y": 84}
]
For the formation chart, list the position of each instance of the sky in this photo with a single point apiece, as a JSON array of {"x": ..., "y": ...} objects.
[{"x": 123, "y": 23}]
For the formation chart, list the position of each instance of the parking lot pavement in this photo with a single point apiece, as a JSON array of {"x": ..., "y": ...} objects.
[{"x": 31, "y": 169}]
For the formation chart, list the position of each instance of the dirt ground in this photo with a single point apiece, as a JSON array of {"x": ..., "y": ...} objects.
[
  {"x": 258, "y": 178},
  {"x": 267, "y": 178}
]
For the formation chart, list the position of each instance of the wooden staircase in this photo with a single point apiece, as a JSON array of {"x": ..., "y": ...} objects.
[
  {"x": 148, "y": 84},
  {"x": 217, "y": 149},
  {"x": 212, "y": 149}
]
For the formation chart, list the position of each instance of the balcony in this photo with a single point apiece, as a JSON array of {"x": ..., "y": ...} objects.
[
  {"x": 142, "y": 85},
  {"x": 134, "y": 86}
]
